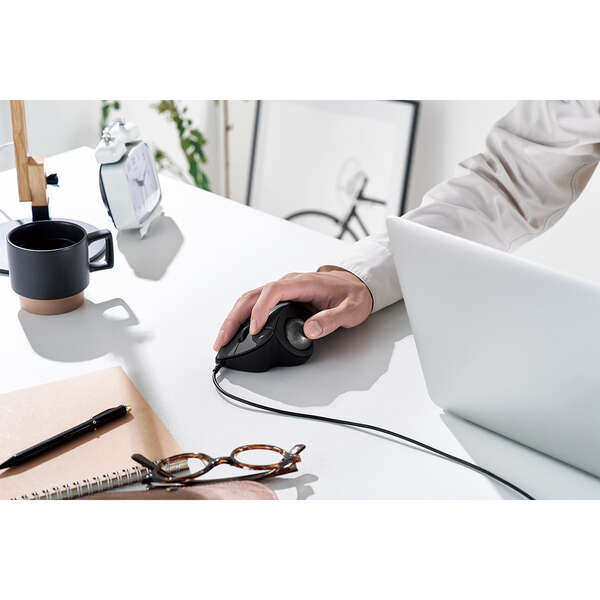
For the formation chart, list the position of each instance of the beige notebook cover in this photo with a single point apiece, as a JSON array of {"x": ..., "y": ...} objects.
[{"x": 34, "y": 414}]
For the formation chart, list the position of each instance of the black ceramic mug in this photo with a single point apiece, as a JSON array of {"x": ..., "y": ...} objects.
[{"x": 48, "y": 264}]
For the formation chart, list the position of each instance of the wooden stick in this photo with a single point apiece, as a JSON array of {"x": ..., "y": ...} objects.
[
  {"x": 19, "y": 131},
  {"x": 30, "y": 170},
  {"x": 37, "y": 180}
]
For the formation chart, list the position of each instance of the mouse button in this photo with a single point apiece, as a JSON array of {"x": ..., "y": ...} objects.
[
  {"x": 242, "y": 334},
  {"x": 251, "y": 342},
  {"x": 247, "y": 344},
  {"x": 228, "y": 350},
  {"x": 263, "y": 335},
  {"x": 279, "y": 306},
  {"x": 277, "y": 311},
  {"x": 272, "y": 320}
]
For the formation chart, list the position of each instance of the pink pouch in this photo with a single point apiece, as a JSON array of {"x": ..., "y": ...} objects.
[{"x": 229, "y": 490}]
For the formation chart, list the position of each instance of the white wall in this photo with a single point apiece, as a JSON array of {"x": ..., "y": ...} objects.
[
  {"x": 57, "y": 126},
  {"x": 53, "y": 127},
  {"x": 241, "y": 114},
  {"x": 448, "y": 132}
]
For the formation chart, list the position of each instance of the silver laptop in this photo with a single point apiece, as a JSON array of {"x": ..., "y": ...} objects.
[{"x": 505, "y": 343}]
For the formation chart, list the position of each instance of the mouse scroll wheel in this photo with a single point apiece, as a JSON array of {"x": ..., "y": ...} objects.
[
  {"x": 294, "y": 331},
  {"x": 244, "y": 333}
]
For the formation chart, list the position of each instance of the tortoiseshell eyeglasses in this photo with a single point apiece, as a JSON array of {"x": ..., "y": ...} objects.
[{"x": 188, "y": 468}]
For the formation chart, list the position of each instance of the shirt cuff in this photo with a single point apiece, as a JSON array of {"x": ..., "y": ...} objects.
[{"x": 373, "y": 264}]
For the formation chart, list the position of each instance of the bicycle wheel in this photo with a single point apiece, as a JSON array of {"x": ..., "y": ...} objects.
[{"x": 323, "y": 222}]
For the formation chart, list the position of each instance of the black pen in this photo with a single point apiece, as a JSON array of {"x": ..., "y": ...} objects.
[{"x": 66, "y": 436}]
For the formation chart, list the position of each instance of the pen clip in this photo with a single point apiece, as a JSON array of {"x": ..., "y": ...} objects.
[{"x": 105, "y": 412}]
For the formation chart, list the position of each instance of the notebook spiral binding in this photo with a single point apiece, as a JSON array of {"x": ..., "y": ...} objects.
[{"x": 97, "y": 484}]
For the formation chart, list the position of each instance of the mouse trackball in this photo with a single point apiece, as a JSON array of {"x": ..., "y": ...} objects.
[{"x": 281, "y": 342}]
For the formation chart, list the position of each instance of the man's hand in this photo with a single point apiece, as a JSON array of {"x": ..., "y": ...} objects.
[{"x": 340, "y": 298}]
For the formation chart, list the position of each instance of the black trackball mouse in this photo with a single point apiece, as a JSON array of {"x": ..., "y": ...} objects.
[{"x": 281, "y": 342}]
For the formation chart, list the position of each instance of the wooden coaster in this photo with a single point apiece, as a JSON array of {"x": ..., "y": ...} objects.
[{"x": 52, "y": 307}]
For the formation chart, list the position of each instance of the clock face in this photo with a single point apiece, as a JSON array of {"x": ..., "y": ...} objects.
[{"x": 142, "y": 181}]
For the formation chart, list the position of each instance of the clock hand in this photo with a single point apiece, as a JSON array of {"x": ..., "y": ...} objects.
[{"x": 140, "y": 181}]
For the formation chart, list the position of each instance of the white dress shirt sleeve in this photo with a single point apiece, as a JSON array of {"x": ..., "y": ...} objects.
[{"x": 537, "y": 161}]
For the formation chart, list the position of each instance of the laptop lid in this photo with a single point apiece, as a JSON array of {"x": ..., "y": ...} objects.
[{"x": 503, "y": 342}]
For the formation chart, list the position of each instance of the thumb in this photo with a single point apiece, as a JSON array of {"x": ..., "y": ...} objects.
[{"x": 324, "y": 322}]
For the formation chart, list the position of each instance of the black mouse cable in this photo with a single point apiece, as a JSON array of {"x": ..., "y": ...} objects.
[{"x": 290, "y": 413}]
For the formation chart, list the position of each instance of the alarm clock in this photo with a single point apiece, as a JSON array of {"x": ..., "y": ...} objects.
[{"x": 128, "y": 176}]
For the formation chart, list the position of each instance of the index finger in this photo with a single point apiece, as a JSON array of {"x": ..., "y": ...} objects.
[{"x": 239, "y": 313}]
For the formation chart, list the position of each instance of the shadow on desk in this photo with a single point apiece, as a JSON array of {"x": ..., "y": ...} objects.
[
  {"x": 151, "y": 256},
  {"x": 303, "y": 490},
  {"x": 538, "y": 474},
  {"x": 91, "y": 331},
  {"x": 347, "y": 360}
]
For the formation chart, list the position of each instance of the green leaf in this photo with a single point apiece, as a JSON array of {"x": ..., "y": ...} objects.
[{"x": 191, "y": 140}]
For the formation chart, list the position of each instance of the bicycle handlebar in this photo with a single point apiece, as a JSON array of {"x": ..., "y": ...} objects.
[{"x": 361, "y": 198}]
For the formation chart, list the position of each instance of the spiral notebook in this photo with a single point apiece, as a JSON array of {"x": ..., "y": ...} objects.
[{"x": 101, "y": 459}]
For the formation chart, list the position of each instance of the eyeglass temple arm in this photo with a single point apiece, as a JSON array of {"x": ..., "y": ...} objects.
[
  {"x": 297, "y": 449},
  {"x": 253, "y": 477},
  {"x": 142, "y": 460}
]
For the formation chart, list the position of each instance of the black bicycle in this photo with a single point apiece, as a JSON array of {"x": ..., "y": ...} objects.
[{"x": 329, "y": 223}]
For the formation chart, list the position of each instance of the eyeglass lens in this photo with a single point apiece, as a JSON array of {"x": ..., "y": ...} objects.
[
  {"x": 195, "y": 466},
  {"x": 254, "y": 458},
  {"x": 258, "y": 457}
]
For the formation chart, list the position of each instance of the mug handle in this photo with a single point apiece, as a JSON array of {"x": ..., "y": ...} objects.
[{"x": 109, "y": 255}]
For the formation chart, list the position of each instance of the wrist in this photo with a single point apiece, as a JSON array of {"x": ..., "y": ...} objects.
[{"x": 353, "y": 277}]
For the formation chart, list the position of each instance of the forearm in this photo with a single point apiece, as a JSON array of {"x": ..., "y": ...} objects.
[{"x": 537, "y": 161}]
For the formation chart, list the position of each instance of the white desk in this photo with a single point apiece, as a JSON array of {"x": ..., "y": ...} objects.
[{"x": 157, "y": 313}]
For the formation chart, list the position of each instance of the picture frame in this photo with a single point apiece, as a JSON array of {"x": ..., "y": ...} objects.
[{"x": 339, "y": 167}]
